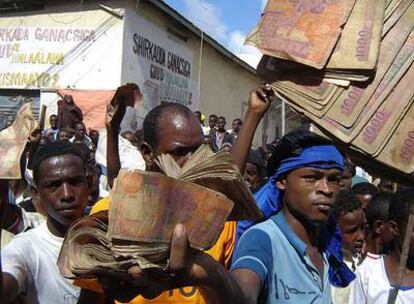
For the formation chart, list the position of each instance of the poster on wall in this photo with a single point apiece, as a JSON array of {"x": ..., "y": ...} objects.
[
  {"x": 162, "y": 65},
  {"x": 12, "y": 100},
  {"x": 52, "y": 50}
]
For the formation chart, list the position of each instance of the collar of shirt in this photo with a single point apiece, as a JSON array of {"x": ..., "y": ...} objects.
[{"x": 290, "y": 235}]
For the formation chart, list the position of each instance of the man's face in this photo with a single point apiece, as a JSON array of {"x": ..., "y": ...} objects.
[
  {"x": 236, "y": 126},
  {"x": 64, "y": 136},
  {"x": 80, "y": 130},
  {"x": 68, "y": 99},
  {"x": 53, "y": 122},
  {"x": 352, "y": 225},
  {"x": 221, "y": 123},
  {"x": 251, "y": 176},
  {"x": 63, "y": 188},
  {"x": 179, "y": 136},
  {"x": 309, "y": 193},
  {"x": 212, "y": 122},
  {"x": 198, "y": 115}
]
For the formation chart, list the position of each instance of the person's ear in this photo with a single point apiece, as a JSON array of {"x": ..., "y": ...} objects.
[
  {"x": 281, "y": 183},
  {"x": 393, "y": 228},
  {"x": 147, "y": 154}
]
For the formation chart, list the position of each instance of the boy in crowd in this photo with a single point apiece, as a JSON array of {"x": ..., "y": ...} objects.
[
  {"x": 28, "y": 264},
  {"x": 64, "y": 135},
  {"x": 378, "y": 276},
  {"x": 376, "y": 214},
  {"x": 52, "y": 131},
  {"x": 350, "y": 216}
]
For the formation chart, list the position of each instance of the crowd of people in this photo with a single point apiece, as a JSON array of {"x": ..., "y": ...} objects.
[{"x": 327, "y": 235}]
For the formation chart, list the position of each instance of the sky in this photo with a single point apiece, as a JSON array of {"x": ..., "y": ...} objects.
[{"x": 227, "y": 21}]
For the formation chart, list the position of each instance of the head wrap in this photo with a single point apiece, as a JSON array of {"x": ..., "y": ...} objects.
[{"x": 269, "y": 200}]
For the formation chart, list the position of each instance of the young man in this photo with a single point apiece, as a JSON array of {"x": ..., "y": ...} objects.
[
  {"x": 28, "y": 263},
  {"x": 235, "y": 127},
  {"x": 377, "y": 276},
  {"x": 376, "y": 214},
  {"x": 52, "y": 131},
  {"x": 254, "y": 173},
  {"x": 80, "y": 135},
  {"x": 220, "y": 136},
  {"x": 64, "y": 135}
]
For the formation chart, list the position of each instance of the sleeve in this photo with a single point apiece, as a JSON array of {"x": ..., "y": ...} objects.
[
  {"x": 14, "y": 261},
  {"x": 229, "y": 243},
  {"x": 358, "y": 294},
  {"x": 254, "y": 252}
]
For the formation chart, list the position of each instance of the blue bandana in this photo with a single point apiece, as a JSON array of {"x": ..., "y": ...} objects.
[{"x": 269, "y": 200}]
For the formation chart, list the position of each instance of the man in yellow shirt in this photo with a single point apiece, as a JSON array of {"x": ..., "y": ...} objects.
[{"x": 173, "y": 129}]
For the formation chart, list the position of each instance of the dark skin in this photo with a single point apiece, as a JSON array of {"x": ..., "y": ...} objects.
[
  {"x": 346, "y": 180},
  {"x": 64, "y": 136},
  {"x": 212, "y": 122},
  {"x": 53, "y": 122},
  {"x": 352, "y": 225},
  {"x": 63, "y": 189},
  {"x": 252, "y": 176},
  {"x": 80, "y": 130},
  {"x": 392, "y": 260},
  {"x": 236, "y": 126}
]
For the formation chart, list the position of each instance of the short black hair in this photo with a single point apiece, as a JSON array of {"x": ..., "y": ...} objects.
[
  {"x": 53, "y": 115},
  {"x": 377, "y": 208},
  {"x": 221, "y": 117},
  {"x": 346, "y": 202},
  {"x": 401, "y": 204},
  {"x": 212, "y": 115},
  {"x": 365, "y": 188},
  {"x": 151, "y": 121},
  {"x": 239, "y": 120},
  {"x": 292, "y": 144},
  {"x": 51, "y": 150}
]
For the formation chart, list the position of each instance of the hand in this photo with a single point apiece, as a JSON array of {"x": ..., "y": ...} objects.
[
  {"x": 186, "y": 268},
  {"x": 125, "y": 96},
  {"x": 260, "y": 99},
  {"x": 35, "y": 136}
]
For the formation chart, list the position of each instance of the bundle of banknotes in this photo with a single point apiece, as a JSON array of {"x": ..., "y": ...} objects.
[
  {"x": 347, "y": 66},
  {"x": 145, "y": 207}
]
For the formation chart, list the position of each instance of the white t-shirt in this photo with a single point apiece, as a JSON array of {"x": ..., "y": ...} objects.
[
  {"x": 371, "y": 285},
  {"x": 31, "y": 259}
]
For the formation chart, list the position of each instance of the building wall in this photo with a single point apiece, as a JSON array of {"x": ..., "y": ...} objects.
[{"x": 223, "y": 86}]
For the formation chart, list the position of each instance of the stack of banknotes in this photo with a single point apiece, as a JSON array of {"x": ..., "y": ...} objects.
[
  {"x": 347, "y": 66},
  {"x": 144, "y": 209}
]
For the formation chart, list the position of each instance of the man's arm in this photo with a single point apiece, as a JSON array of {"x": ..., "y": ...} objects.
[
  {"x": 8, "y": 285},
  {"x": 259, "y": 102}
]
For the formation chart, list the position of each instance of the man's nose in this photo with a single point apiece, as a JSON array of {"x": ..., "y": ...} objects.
[
  {"x": 325, "y": 187},
  {"x": 67, "y": 192}
]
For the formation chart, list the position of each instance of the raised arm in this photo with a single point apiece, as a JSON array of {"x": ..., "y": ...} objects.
[
  {"x": 127, "y": 95},
  {"x": 259, "y": 102}
]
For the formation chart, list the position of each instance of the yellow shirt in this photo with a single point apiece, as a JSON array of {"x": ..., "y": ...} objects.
[{"x": 222, "y": 252}]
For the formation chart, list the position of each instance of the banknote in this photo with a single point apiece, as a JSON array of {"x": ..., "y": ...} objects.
[
  {"x": 349, "y": 106},
  {"x": 301, "y": 31},
  {"x": 391, "y": 8},
  {"x": 385, "y": 118},
  {"x": 146, "y": 206},
  {"x": 13, "y": 142},
  {"x": 359, "y": 43},
  {"x": 399, "y": 150},
  {"x": 395, "y": 16},
  {"x": 397, "y": 70}
]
